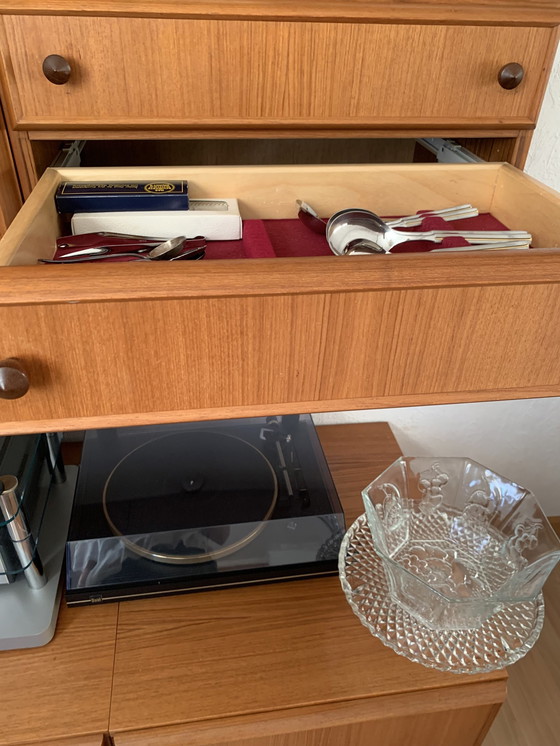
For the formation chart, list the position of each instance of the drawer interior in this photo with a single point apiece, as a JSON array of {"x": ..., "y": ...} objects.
[
  {"x": 269, "y": 192},
  {"x": 250, "y": 151}
]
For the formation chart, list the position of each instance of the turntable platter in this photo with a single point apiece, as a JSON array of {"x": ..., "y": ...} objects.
[
  {"x": 184, "y": 507},
  {"x": 190, "y": 497}
]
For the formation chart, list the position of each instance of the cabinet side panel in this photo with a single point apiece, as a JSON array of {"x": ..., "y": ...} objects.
[{"x": 10, "y": 193}]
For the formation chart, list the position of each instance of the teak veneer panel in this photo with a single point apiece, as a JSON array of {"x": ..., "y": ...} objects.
[
  {"x": 61, "y": 690},
  {"x": 95, "y": 360},
  {"x": 460, "y": 727},
  {"x": 97, "y": 740},
  {"x": 252, "y": 74},
  {"x": 10, "y": 193},
  {"x": 545, "y": 12},
  {"x": 120, "y": 345},
  {"x": 248, "y": 666}
]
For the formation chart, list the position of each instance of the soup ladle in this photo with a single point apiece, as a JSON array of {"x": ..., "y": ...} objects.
[
  {"x": 353, "y": 230},
  {"x": 317, "y": 224}
]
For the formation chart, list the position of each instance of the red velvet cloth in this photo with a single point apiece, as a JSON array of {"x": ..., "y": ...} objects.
[
  {"x": 263, "y": 239},
  {"x": 290, "y": 237}
]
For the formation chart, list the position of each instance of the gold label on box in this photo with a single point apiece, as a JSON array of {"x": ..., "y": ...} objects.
[{"x": 159, "y": 187}]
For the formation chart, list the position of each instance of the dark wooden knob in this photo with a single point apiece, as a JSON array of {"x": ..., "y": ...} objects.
[
  {"x": 14, "y": 382},
  {"x": 56, "y": 69},
  {"x": 511, "y": 75}
]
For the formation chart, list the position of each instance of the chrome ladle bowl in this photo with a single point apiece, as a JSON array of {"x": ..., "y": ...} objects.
[{"x": 359, "y": 231}]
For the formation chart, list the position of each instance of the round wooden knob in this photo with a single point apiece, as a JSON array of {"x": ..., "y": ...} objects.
[
  {"x": 14, "y": 382},
  {"x": 56, "y": 69},
  {"x": 511, "y": 75}
]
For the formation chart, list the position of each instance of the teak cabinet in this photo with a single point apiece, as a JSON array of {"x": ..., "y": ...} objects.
[
  {"x": 286, "y": 664},
  {"x": 123, "y": 345}
]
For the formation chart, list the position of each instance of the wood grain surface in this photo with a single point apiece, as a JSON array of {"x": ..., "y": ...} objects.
[
  {"x": 555, "y": 523},
  {"x": 61, "y": 690},
  {"x": 545, "y": 12},
  {"x": 480, "y": 128},
  {"x": 530, "y": 714},
  {"x": 10, "y": 192},
  {"x": 221, "y": 338},
  {"x": 35, "y": 285},
  {"x": 261, "y": 652},
  {"x": 461, "y": 727},
  {"x": 97, "y": 740},
  {"x": 195, "y": 73},
  {"x": 98, "y": 360},
  {"x": 279, "y": 665},
  {"x": 271, "y": 192}
]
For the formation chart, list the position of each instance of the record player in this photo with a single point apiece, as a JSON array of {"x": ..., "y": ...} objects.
[{"x": 190, "y": 507}]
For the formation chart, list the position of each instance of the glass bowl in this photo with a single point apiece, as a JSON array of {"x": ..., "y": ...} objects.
[{"x": 457, "y": 540}]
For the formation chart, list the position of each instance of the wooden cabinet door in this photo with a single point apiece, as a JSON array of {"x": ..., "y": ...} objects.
[{"x": 60, "y": 694}]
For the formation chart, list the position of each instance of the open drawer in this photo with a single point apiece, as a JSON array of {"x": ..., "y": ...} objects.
[{"x": 120, "y": 344}]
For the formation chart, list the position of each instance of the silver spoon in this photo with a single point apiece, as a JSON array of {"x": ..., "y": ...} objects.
[
  {"x": 169, "y": 249},
  {"x": 346, "y": 227},
  {"x": 314, "y": 222},
  {"x": 362, "y": 247}
]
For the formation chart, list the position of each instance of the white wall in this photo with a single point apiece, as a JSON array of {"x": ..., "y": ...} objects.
[
  {"x": 543, "y": 161},
  {"x": 519, "y": 439}
]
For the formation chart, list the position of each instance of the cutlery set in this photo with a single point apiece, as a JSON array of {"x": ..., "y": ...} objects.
[
  {"x": 353, "y": 231},
  {"x": 361, "y": 232},
  {"x": 90, "y": 247}
]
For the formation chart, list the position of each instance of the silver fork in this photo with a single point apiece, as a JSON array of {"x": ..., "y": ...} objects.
[
  {"x": 451, "y": 213},
  {"x": 495, "y": 246}
]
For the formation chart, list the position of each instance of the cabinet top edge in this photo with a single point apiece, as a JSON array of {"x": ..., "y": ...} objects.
[{"x": 510, "y": 12}]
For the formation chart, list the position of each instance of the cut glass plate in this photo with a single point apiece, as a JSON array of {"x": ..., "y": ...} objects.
[{"x": 500, "y": 641}]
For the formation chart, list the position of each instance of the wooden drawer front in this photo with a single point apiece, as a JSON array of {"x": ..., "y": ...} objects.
[
  {"x": 463, "y": 726},
  {"x": 60, "y": 693},
  {"x": 200, "y": 357},
  {"x": 208, "y": 73},
  {"x": 157, "y": 342}
]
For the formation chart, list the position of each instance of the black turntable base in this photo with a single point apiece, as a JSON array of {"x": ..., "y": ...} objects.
[{"x": 178, "y": 508}]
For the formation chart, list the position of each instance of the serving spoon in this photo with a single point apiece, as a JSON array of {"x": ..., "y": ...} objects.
[
  {"x": 353, "y": 230},
  {"x": 314, "y": 222}
]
